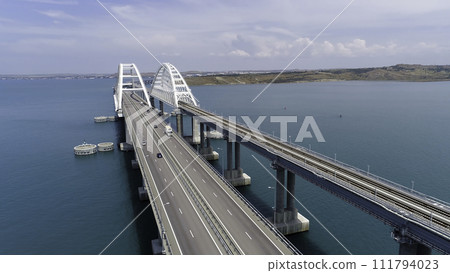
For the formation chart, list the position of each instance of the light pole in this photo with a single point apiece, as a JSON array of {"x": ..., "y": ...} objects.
[
  {"x": 290, "y": 141},
  {"x": 273, "y": 208},
  {"x": 412, "y": 185},
  {"x": 368, "y": 169}
]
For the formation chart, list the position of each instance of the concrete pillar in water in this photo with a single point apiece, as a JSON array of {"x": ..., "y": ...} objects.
[
  {"x": 408, "y": 246},
  {"x": 152, "y": 102},
  {"x": 195, "y": 131},
  {"x": 161, "y": 107},
  {"x": 180, "y": 124},
  {"x": 279, "y": 201},
  {"x": 202, "y": 136},
  {"x": 237, "y": 155},
  {"x": 208, "y": 141},
  {"x": 290, "y": 203},
  {"x": 229, "y": 155}
]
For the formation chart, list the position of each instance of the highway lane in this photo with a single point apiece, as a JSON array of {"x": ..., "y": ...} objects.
[
  {"x": 242, "y": 225},
  {"x": 245, "y": 228},
  {"x": 191, "y": 234}
]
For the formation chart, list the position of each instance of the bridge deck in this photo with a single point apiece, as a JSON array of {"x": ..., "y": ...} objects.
[
  {"x": 427, "y": 219},
  {"x": 199, "y": 213}
]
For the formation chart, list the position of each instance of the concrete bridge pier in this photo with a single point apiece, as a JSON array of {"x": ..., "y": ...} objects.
[
  {"x": 152, "y": 102},
  {"x": 206, "y": 150},
  {"x": 287, "y": 219},
  {"x": 142, "y": 191},
  {"x": 407, "y": 245},
  {"x": 161, "y": 107},
  {"x": 180, "y": 124},
  {"x": 195, "y": 131},
  {"x": 235, "y": 176},
  {"x": 128, "y": 144}
]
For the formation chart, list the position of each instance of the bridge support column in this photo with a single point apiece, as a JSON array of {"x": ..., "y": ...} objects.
[
  {"x": 142, "y": 191},
  {"x": 206, "y": 150},
  {"x": 408, "y": 246},
  {"x": 152, "y": 102},
  {"x": 287, "y": 220},
  {"x": 161, "y": 107},
  {"x": 128, "y": 144},
  {"x": 280, "y": 192},
  {"x": 195, "y": 131},
  {"x": 229, "y": 156},
  {"x": 290, "y": 200},
  {"x": 180, "y": 124},
  {"x": 235, "y": 176}
]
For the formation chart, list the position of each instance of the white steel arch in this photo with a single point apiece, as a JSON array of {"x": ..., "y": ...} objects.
[
  {"x": 169, "y": 86},
  {"x": 128, "y": 80}
]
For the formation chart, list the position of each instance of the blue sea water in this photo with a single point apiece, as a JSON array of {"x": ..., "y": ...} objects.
[{"x": 52, "y": 202}]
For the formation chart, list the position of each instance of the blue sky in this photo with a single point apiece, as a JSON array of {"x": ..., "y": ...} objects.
[{"x": 79, "y": 36}]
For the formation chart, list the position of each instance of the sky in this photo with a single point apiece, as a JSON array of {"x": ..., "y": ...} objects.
[{"x": 81, "y": 36}]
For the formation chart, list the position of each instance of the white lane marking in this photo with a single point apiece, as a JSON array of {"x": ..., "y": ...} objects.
[
  {"x": 215, "y": 194},
  {"x": 155, "y": 160},
  {"x": 180, "y": 210},
  {"x": 171, "y": 193},
  {"x": 230, "y": 212},
  {"x": 181, "y": 153},
  {"x": 248, "y": 236},
  {"x": 165, "y": 180},
  {"x": 159, "y": 169},
  {"x": 203, "y": 180},
  {"x": 191, "y": 233},
  {"x": 186, "y": 160},
  {"x": 194, "y": 169}
]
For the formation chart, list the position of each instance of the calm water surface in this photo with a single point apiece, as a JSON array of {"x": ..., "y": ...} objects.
[{"x": 52, "y": 202}]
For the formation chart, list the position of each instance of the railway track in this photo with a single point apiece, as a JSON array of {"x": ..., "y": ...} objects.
[{"x": 431, "y": 211}]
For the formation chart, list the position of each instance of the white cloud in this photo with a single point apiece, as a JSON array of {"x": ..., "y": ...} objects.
[
  {"x": 238, "y": 52},
  {"x": 58, "y": 14}
]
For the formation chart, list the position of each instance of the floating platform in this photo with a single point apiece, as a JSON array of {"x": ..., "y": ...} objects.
[
  {"x": 105, "y": 146},
  {"x": 100, "y": 119},
  {"x": 85, "y": 149}
]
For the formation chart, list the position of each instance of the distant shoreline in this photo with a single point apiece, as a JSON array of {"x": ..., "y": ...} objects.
[{"x": 400, "y": 72}]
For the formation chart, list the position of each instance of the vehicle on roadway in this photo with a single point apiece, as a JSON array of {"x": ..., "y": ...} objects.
[
  {"x": 169, "y": 130},
  {"x": 159, "y": 155}
]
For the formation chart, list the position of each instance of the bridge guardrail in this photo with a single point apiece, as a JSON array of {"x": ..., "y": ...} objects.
[
  {"x": 246, "y": 202},
  {"x": 157, "y": 212},
  {"x": 349, "y": 167},
  {"x": 388, "y": 205},
  {"x": 204, "y": 209}
]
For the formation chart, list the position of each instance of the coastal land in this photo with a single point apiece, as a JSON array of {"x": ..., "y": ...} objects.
[{"x": 399, "y": 72}]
